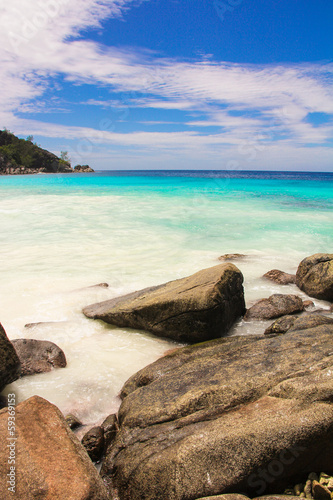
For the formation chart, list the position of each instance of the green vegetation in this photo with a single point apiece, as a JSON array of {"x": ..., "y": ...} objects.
[
  {"x": 27, "y": 155},
  {"x": 21, "y": 151}
]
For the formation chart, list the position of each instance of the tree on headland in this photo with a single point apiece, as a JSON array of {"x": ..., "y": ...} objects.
[
  {"x": 30, "y": 138},
  {"x": 64, "y": 157}
]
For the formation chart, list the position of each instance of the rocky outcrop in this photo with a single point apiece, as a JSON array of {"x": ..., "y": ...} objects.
[
  {"x": 38, "y": 356},
  {"x": 292, "y": 323},
  {"x": 48, "y": 460},
  {"x": 83, "y": 168},
  {"x": 280, "y": 277},
  {"x": 201, "y": 307},
  {"x": 275, "y": 306},
  {"x": 238, "y": 414},
  {"x": 19, "y": 156},
  {"x": 10, "y": 367},
  {"x": 315, "y": 276}
]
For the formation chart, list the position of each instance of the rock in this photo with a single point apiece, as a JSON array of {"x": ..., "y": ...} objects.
[
  {"x": 83, "y": 168},
  {"x": 93, "y": 441},
  {"x": 110, "y": 427},
  {"x": 280, "y": 277},
  {"x": 237, "y": 414},
  {"x": 38, "y": 356},
  {"x": 315, "y": 276},
  {"x": 201, "y": 307},
  {"x": 50, "y": 462},
  {"x": 275, "y": 306},
  {"x": 277, "y": 497},
  {"x": 230, "y": 496},
  {"x": 308, "y": 489},
  {"x": 281, "y": 325},
  {"x": 308, "y": 304},
  {"x": 10, "y": 366},
  {"x": 310, "y": 321},
  {"x": 232, "y": 256},
  {"x": 73, "y": 421},
  {"x": 292, "y": 323},
  {"x": 320, "y": 492}
]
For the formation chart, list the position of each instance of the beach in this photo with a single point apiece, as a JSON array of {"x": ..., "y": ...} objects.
[{"x": 62, "y": 234}]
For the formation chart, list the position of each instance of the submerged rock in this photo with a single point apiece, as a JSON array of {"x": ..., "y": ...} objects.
[
  {"x": 50, "y": 462},
  {"x": 280, "y": 277},
  {"x": 38, "y": 356},
  {"x": 238, "y": 414},
  {"x": 201, "y": 307},
  {"x": 275, "y": 306},
  {"x": 232, "y": 256},
  {"x": 10, "y": 366},
  {"x": 315, "y": 276}
]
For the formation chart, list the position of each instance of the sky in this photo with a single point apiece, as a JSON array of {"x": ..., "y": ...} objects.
[{"x": 171, "y": 84}]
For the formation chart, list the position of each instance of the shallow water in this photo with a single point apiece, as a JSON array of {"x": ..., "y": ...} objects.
[{"x": 60, "y": 234}]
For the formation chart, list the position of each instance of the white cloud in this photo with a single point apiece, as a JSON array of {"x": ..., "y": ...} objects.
[{"x": 40, "y": 40}]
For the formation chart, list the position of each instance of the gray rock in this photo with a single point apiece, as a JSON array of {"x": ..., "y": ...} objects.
[
  {"x": 315, "y": 276},
  {"x": 10, "y": 366},
  {"x": 275, "y": 306},
  {"x": 238, "y": 414},
  {"x": 38, "y": 356},
  {"x": 201, "y": 307}
]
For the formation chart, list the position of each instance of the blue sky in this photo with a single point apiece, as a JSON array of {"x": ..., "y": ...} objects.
[{"x": 171, "y": 84}]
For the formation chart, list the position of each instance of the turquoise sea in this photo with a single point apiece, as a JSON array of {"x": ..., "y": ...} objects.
[{"x": 60, "y": 234}]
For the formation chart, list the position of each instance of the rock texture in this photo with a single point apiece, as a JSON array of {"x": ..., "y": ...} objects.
[
  {"x": 50, "y": 462},
  {"x": 93, "y": 441},
  {"x": 292, "y": 323},
  {"x": 275, "y": 306},
  {"x": 201, "y": 307},
  {"x": 280, "y": 277},
  {"x": 315, "y": 276},
  {"x": 83, "y": 168},
  {"x": 238, "y": 414},
  {"x": 38, "y": 356},
  {"x": 10, "y": 367}
]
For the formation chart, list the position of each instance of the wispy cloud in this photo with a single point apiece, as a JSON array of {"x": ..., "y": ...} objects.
[{"x": 266, "y": 104}]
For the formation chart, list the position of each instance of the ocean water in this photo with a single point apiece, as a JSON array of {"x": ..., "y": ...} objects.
[{"x": 61, "y": 234}]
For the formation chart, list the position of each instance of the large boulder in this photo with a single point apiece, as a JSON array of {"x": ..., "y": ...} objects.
[
  {"x": 48, "y": 461},
  {"x": 275, "y": 306},
  {"x": 10, "y": 366},
  {"x": 238, "y": 414},
  {"x": 315, "y": 276},
  {"x": 38, "y": 356},
  {"x": 201, "y": 307}
]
